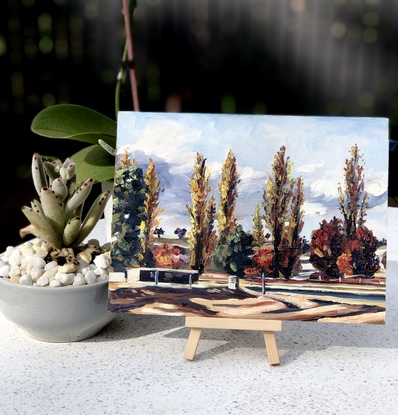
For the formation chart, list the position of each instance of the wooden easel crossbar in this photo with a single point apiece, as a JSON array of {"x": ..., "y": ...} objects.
[{"x": 268, "y": 327}]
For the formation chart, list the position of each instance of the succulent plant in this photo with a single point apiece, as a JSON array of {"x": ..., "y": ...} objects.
[{"x": 57, "y": 218}]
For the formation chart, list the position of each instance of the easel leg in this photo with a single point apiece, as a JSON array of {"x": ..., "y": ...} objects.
[
  {"x": 271, "y": 347},
  {"x": 192, "y": 343},
  {"x": 268, "y": 327}
]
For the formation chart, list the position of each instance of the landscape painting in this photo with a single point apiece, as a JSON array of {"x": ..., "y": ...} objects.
[{"x": 250, "y": 216}]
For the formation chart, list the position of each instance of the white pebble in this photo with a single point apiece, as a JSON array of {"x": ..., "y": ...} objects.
[
  {"x": 36, "y": 273},
  {"x": 14, "y": 271},
  {"x": 9, "y": 250},
  {"x": 26, "y": 250},
  {"x": 55, "y": 283},
  {"x": 4, "y": 271},
  {"x": 90, "y": 277},
  {"x": 79, "y": 280},
  {"x": 42, "y": 281},
  {"x": 26, "y": 280},
  {"x": 102, "y": 261},
  {"x": 50, "y": 265},
  {"x": 24, "y": 262},
  {"x": 36, "y": 261},
  {"x": 83, "y": 270},
  {"x": 101, "y": 271},
  {"x": 50, "y": 274},
  {"x": 15, "y": 258},
  {"x": 41, "y": 252},
  {"x": 65, "y": 279},
  {"x": 26, "y": 268}
]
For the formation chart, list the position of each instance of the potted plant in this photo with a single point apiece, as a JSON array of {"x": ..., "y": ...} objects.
[{"x": 55, "y": 287}]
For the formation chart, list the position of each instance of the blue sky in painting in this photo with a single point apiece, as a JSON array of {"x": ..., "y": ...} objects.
[{"x": 317, "y": 147}]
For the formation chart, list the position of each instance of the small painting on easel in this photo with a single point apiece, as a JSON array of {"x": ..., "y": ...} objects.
[{"x": 250, "y": 217}]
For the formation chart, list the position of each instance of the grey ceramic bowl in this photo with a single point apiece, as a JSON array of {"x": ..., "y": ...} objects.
[{"x": 62, "y": 314}]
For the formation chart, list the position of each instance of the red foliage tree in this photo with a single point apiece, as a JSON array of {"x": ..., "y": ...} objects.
[
  {"x": 326, "y": 247},
  {"x": 347, "y": 246}
]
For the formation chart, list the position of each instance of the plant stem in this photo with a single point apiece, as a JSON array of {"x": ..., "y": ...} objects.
[
  {"x": 121, "y": 80},
  {"x": 130, "y": 55}
]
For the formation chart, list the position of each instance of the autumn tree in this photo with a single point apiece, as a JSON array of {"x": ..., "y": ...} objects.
[
  {"x": 353, "y": 199},
  {"x": 352, "y": 245},
  {"x": 202, "y": 211},
  {"x": 282, "y": 202},
  {"x": 292, "y": 242},
  {"x": 151, "y": 209},
  {"x": 359, "y": 256},
  {"x": 259, "y": 237},
  {"x": 326, "y": 247},
  {"x": 227, "y": 187},
  {"x": 360, "y": 245}
]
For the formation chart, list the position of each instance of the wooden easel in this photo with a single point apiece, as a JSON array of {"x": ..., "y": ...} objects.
[{"x": 268, "y": 327}]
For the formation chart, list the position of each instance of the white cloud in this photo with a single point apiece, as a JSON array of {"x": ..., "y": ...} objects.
[
  {"x": 311, "y": 167},
  {"x": 314, "y": 208},
  {"x": 376, "y": 187},
  {"x": 325, "y": 188}
]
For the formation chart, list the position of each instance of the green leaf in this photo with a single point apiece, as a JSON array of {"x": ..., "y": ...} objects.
[
  {"x": 75, "y": 122},
  {"x": 92, "y": 217},
  {"x": 40, "y": 228},
  {"x": 53, "y": 209},
  {"x": 94, "y": 162}
]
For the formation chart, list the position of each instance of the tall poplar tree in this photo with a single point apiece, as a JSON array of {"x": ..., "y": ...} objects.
[
  {"x": 353, "y": 200},
  {"x": 202, "y": 236},
  {"x": 282, "y": 202},
  {"x": 258, "y": 228},
  {"x": 151, "y": 208},
  {"x": 226, "y": 220}
]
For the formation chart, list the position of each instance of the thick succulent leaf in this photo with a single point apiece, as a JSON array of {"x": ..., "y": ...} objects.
[
  {"x": 36, "y": 206},
  {"x": 53, "y": 209},
  {"x": 38, "y": 173},
  {"x": 68, "y": 169},
  {"x": 95, "y": 162},
  {"x": 52, "y": 170},
  {"x": 79, "y": 197},
  {"x": 27, "y": 230},
  {"x": 75, "y": 122},
  {"x": 92, "y": 217},
  {"x": 60, "y": 189},
  {"x": 71, "y": 231},
  {"x": 72, "y": 214},
  {"x": 40, "y": 228}
]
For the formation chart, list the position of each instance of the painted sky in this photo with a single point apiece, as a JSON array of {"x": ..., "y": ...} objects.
[{"x": 317, "y": 147}]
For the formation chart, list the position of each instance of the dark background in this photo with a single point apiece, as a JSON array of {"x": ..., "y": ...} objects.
[{"x": 295, "y": 57}]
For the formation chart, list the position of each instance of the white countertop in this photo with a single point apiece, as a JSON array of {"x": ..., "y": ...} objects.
[{"x": 136, "y": 365}]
